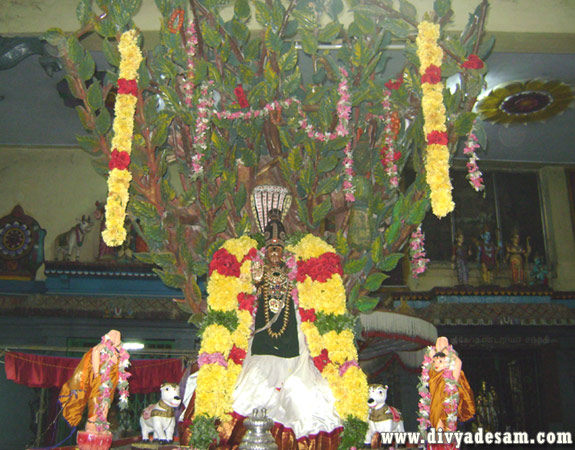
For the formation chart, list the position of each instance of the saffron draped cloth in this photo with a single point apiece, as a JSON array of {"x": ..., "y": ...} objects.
[
  {"x": 82, "y": 389},
  {"x": 466, "y": 407},
  {"x": 40, "y": 371}
]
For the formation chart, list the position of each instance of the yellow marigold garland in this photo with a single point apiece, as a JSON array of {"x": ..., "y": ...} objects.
[
  {"x": 119, "y": 176},
  {"x": 437, "y": 153},
  {"x": 219, "y": 371}
]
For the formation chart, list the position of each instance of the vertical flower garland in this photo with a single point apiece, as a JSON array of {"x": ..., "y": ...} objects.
[
  {"x": 437, "y": 153},
  {"x": 105, "y": 394},
  {"x": 474, "y": 174},
  {"x": 225, "y": 343},
  {"x": 417, "y": 252},
  {"x": 119, "y": 176},
  {"x": 451, "y": 402},
  {"x": 322, "y": 301}
]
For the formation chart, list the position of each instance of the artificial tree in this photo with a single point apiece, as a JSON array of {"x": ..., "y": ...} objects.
[{"x": 236, "y": 94}]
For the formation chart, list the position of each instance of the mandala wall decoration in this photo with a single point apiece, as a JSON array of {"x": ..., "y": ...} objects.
[{"x": 525, "y": 101}]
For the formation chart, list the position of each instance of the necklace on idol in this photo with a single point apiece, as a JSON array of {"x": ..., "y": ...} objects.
[{"x": 276, "y": 288}]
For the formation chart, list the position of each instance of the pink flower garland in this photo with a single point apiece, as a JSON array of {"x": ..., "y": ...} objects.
[
  {"x": 417, "y": 252},
  {"x": 204, "y": 107},
  {"x": 389, "y": 155},
  {"x": 474, "y": 175},
  {"x": 452, "y": 399},
  {"x": 188, "y": 86},
  {"x": 104, "y": 398}
]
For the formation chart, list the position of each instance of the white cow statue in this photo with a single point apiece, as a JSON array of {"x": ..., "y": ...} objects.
[
  {"x": 68, "y": 244},
  {"x": 159, "y": 418},
  {"x": 382, "y": 418}
]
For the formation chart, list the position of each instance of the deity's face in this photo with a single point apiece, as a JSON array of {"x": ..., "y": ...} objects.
[
  {"x": 515, "y": 239},
  {"x": 459, "y": 239},
  {"x": 486, "y": 236},
  {"x": 274, "y": 254},
  {"x": 439, "y": 363}
]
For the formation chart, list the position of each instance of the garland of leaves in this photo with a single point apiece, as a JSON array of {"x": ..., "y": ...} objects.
[{"x": 119, "y": 176}]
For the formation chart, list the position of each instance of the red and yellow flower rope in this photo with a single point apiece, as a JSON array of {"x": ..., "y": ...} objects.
[
  {"x": 119, "y": 176},
  {"x": 437, "y": 153}
]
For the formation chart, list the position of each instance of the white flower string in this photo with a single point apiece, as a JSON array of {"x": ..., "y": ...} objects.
[
  {"x": 389, "y": 156},
  {"x": 192, "y": 43}
]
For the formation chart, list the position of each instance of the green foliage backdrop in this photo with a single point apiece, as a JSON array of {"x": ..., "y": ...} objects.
[{"x": 276, "y": 50}]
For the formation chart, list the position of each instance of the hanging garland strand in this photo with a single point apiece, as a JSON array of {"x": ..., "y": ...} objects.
[
  {"x": 437, "y": 153},
  {"x": 119, "y": 176}
]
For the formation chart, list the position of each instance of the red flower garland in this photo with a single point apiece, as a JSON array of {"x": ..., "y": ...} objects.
[
  {"x": 307, "y": 315},
  {"x": 437, "y": 137},
  {"x": 127, "y": 87},
  {"x": 225, "y": 263},
  {"x": 432, "y": 75},
  {"x": 119, "y": 160},
  {"x": 394, "y": 85},
  {"x": 322, "y": 360},
  {"x": 246, "y": 301},
  {"x": 319, "y": 269},
  {"x": 237, "y": 355}
]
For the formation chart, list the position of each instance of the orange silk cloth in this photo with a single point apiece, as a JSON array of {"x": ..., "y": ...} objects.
[
  {"x": 466, "y": 407},
  {"x": 83, "y": 389}
]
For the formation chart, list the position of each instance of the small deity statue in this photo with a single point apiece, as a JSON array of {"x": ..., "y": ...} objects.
[
  {"x": 517, "y": 256},
  {"x": 539, "y": 272},
  {"x": 487, "y": 409},
  {"x": 487, "y": 257},
  {"x": 459, "y": 259}
]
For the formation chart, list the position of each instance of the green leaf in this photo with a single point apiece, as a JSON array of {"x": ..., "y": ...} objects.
[
  {"x": 353, "y": 294},
  {"x": 103, "y": 121},
  {"x": 327, "y": 185},
  {"x": 220, "y": 223},
  {"x": 327, "y": 164},
  {"x": 240, "y": 198},
  {"x": 481, "y": 136},
  {"x": 374, "y": 281},
  {"x": 365, "y": 303},
  {"x": 84, "y": 11},
  {"x": 308, "y": 42},
  {"x": 398, "y": 27},
  {"x": 288, "y": 60},
  {"x": 84, "y": 118},
  {"x": 464, "y": 123},
  {"x": 143, "y": 209},
  {"x": 242, "y": 9},
  {"x": 170, "y": 279},
  {"x": 89, "y": 142},
  {"x": 111, "y": 53},
  {"x": 329, "y": 33},
  {"x": 273, "y": 41},
  {"x": 75, "y": 50},
  {"x": 407, "y": 9},
  {"x": 354, "y": 265},
  {"x": 417, "y": 211},
  {"x": 376, "y": 248},
  {"x": 441, "y": 7},
  {"x": 263, "y": 14},
  {"x": 302, "y": 211},
  {"x": 105, "y": 27},
  {"x": 320, "y": 211},
  {"x": 389, "y": 262},
  {"x": 341, "y": 246},
  {"x": 145, "y": 257},
  {"x": 364, "y": 22},
  {"x": 94, "y": 97},
  {"x": 160, "y": 133},
  {"x": 164, "y": 259},
  {"x": 86, "y": 67},
  {"x": 392, "y": 232}
]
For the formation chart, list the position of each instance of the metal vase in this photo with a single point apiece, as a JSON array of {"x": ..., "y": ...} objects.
[{"x": 258, "y": 435}]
